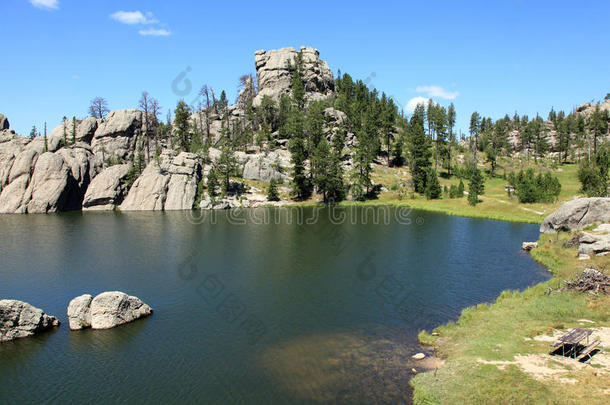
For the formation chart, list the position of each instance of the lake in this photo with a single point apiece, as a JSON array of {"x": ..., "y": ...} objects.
[{"x": 262, "y": 306}]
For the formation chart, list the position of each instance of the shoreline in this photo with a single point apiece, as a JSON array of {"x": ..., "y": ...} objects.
[{"x": 529, "y": 315}]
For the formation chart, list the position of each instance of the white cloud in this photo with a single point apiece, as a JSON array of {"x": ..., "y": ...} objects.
[
  {"x": 46, "y": 4},
  {"x": 414, "y": 102},
  {"x": 155, "y": 32},
  {"x": 437, "y": 91},
  {"x": 133, "y": 17}
]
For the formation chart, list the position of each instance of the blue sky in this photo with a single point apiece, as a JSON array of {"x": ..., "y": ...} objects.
[{"x": 491, "y": 56}]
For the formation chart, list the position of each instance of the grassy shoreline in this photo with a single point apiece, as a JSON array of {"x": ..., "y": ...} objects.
[{"x": 480, "y": 349}]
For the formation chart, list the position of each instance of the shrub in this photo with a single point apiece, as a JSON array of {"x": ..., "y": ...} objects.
[
  {"x": 593, "y": 176},
  {"x": 532, "y": 188},
  {"x": 433, "y": 188}
]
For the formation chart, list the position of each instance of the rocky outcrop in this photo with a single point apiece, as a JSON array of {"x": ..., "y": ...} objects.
[
  {"x": 50, "y": 186},
  {"x": 587, "y": 109},
  {"x": 591, "y": 244},
  {"x": 577, "y": 214},
  {"x": 79, "y": 312},
  {"x": 595, "y": 242},
  {"x": 115, "y": 137},
  {"x": 19, "y": 320},
  {"x": 105, "y": 311},
  {"x": 264, "y": 167},
  {"x": 33, "y": 181},
  {"x": 172, "y": 185},
  {"x": 274, "y": 75},
  {"x": 4, "y": 124},
  {"x": 107, "y": 189}
]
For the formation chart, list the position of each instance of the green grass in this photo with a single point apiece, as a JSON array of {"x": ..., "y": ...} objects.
[
  {"x": 502, "y": 330},
  {"x": 495, "y": 203}
]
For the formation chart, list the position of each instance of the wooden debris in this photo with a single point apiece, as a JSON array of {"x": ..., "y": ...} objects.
[{"x": 591, "y": 281}]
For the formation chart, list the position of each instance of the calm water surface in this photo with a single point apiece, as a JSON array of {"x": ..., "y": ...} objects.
[{"x": 250, "y": 307}]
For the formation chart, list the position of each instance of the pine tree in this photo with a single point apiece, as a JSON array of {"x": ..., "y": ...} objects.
[
  {"x": 33, "y": 132},
  {"x": 223, "y": 102},
  {"x": 388, "y": 121},
  {"x": 272, "y": 193},
  {"x": 419, "y": 150},
  {"x": 328, "y": 174},
  {"x": 433, "y": 187},
  {"x": 73, "y": 130},
  {"x": 476, "y": 187},
  {"x": 63, "y": 123},
  {"x": 475, "y": 126},
  {"x": 182, "y": 125},
  {"x": 212, "y": 183},
  {"x": 314, "y": 126},
  {"x": 366, "y": 150},
  {"x": 540, "y": 138},
  {"x": 450, "y": 124},
  {"x": 598, "y": 125},
  {"x": 297, "y": 85},
  {"x": 226, "y": 167},
  {"x": 460, "y": 190},
  {"x": 45, "y": 147},
  {"x": 298, "y": 154}
]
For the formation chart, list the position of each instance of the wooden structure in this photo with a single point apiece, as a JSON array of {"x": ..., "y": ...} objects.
[{"x": 572, "y": 344}]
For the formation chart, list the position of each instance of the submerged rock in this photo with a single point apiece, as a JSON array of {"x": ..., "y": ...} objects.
[
  {"x": 418, "y": 356},
  {"x": 105, "y": 311},
  {"x": 19, "y": 319},
  {"x": 577, "y": 214}
]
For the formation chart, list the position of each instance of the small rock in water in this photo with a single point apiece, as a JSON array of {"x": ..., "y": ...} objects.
[
  {"x": 19, "y": 319},
  {"x": 527, "y": 246},
  {"x": 107, "y": 310},
  {"x": 418, "y": 356},
  {"x": 413, "y": 371}
]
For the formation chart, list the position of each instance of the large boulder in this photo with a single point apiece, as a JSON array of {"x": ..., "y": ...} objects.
[
  {"x": 593, "y": 244},
  {"x": 4, "y": 124},
  {"x": 111, "y": 309},
  {"x": 82, "y": 164},
  {"x": 577, "y": 214},
  {"x": 107, "y": 189},
  {"x": 264, "y": 168},
  {"x": 172, "y": 185},
  {"x": 50, "y": 187},
  {"x": 79, "y": 312},
  {"x": 10, "y": 146},
  {"x": 185, "y": 174},
  {"x": 73, "y": 130},
  {"x": 274, "y": 75},
  {"x": 19, "y": 320},
  {"x": 115, "y": 137}
]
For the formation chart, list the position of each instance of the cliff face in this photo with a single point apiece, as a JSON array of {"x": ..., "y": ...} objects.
[{"x": 87, "y": 164}]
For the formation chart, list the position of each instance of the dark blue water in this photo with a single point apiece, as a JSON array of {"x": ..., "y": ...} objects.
[{"x": 250, "y": 307}]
